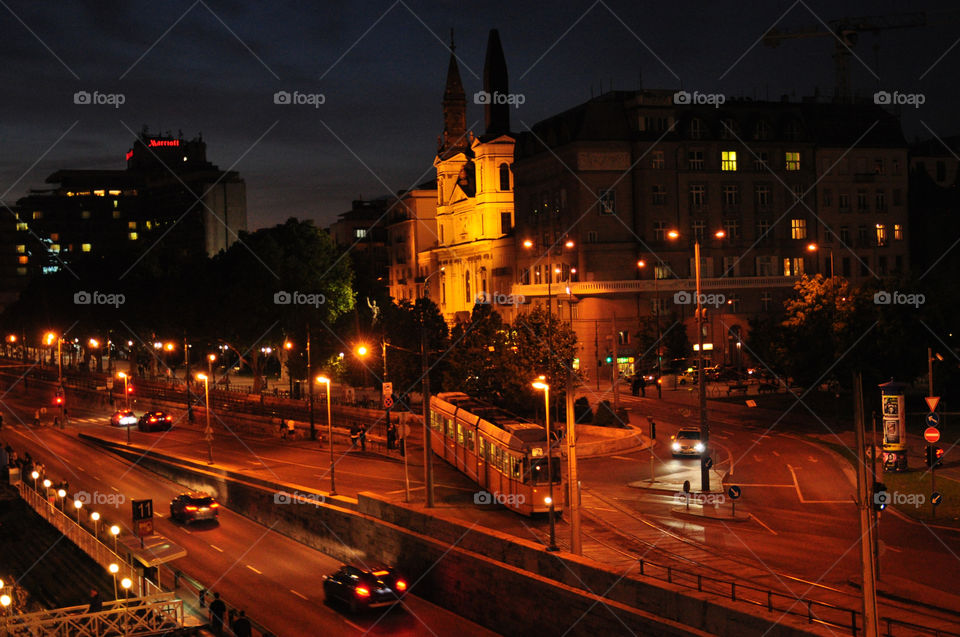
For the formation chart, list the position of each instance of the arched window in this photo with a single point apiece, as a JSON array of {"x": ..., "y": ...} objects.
[{"x": 504, "y": 177}]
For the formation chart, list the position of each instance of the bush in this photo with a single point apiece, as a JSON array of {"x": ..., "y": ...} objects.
[
  {"x": 605, "y": 417},
  {"x": 581, "y": 410}
]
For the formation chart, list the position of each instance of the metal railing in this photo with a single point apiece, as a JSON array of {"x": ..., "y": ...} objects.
[
  {"x": 150, "y": 615},
  {"x": 815, "y": 612}
]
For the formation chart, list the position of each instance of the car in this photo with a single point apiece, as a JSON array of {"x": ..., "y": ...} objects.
[
  {"x": 155, "y": 421},
  {"x": 686, "y": 442},
  {"x": 123, "y": 418},
  {"x": 364, "y": 586},
  {"x": 194, "y": 506}
]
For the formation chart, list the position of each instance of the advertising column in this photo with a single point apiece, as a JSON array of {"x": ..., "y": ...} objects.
[{"x": 894, "y": 427}]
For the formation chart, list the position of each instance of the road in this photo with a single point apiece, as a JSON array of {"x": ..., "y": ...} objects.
[{"x": 277, "y": 580}]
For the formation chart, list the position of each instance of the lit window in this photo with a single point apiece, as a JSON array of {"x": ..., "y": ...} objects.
[
  {"x": 728, "y": 160},
  {"x": 21, "y": 225},
  {"x": 21, "y": 271},
  {"x": 798, "y": 229},
  {"x": 792, "y": 160},
  {"x": 359, "y": 233},
  {"x": 85, "y": 247},
  {"x": 149, "y": 225},
  {"x": 23, "y": 259},
  {"x": 22, "y": 249},
  {"x": 897, "y": 232},
  {"x": 792, "y": 267},
  {"x": 133, "y": 236},
  {"x": 113, "y": 193},
  {"x": 37, "y": 214},
  {"x": 116, "y": 214},
  {"x": 131, "y": 225},
  {"x": 99, "y": 193},
  {"x": 54, "y": 236},
  {"x": 881, "y": 234},
  {"x": 55, "y": 247},
  {"x": 608, "y": 202},
  {"x": 85, "y": 214}
]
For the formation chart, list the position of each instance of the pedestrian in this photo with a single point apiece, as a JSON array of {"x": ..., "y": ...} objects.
[
  {"x": 363, "y": 438},
  {"x": 291, "y": 429},
  {"x": 391, "y": 435},
  {"x": 1, "y": 423},
  {"x": 241, "y": 627},
  {"x": 643, "y": 386},
  {"x": 635, "y": 386},
  {"x": 354, "y": 435},
  {"x": 217, "y": 611},
  {"x": 96, "y": 602}
]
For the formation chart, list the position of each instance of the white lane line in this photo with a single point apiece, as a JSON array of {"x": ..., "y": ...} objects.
[
  {"x": 300, "y": 595},
  {"x": 776, "y": 453},
  {"x": 216, "y": 548},
  {"x": 254, "y": 570},
  {"x": 187, "y": 531},
  {"x": 757, "y": 520},
  {"x": 624, "y": 458},
  {"x": 82, "y": 469},
  {"x": 800, "y": 495},
  {"x": 115, "y": 489},
  {"x": 350, "y": 623},
  {"x": 96, "y": 477}
]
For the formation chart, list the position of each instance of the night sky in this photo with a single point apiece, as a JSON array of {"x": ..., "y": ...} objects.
[{"x": 213, "y": 66}]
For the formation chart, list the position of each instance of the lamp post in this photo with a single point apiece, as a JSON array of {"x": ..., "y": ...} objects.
[
  {"x": 126, "y": 398},
  {"x": 333, "y": 484},
  {"x": 114, "y": 531},
  {"x": 542, "y": 385},
  {"x": 50, "y": 336},
  {"x": 701, "y": 377},
  {"x": 34, "y": 475},
  {"x": 313, "y": 426},
  {"x": 77, "y": 504},
  {"x": 208, "y": 432},
  {"x": 61, "y": 493},
  {"x": 114, "y": 569},
  {"x": 96, "y": 524},
  {"x": 126, "y": 583},
  {"x": 656, "y": 290}
]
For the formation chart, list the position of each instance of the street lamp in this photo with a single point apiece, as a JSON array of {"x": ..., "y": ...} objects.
[
  {"x": 114, "y": 531},
  {"x": 701, "y": 377},
  {"x": 126, "y": 394},
  {"x": 61, "y": 493},
  {"x": 114, "y": 569},
  {"x": 326, "y": 381},
  {"x": 656, "y": 290},
  {"x": 208, "y": 432},
  {"x": 126, "y": 583},
  {"x": 49, "y": 338},
  {"x": 96, "y": 524},
  {"x": 540, "y": 384},
  {"x": 813, "y": 247},
  {"x": 77, "y": 504},
  {"x": 34, "y": 475}
]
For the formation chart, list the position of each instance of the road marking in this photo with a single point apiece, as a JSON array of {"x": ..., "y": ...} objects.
[
  {"x": 350, "y": 623},
  {"x": 761, "y": 484},
  {"x": 757, "y": 458},
  {"x": 96, "y": 477},
  {"x": 216, "y": 548},
  {"x": 812, "y": 459},
  {"x": 720, "y": 436},
  {"x": 757, "y": 520},
  {"x": 115, "y": 489},
  {"x": 800, "y": 495},
  {"x": 300, "y": 595},
  {"x": 776, "y": 453},
  {"x": 624, "y": 458},
  {"x": 254, "y": 570},
  {"x": 890, "y": 548}
]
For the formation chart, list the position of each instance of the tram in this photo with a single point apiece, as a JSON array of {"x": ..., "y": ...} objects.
[{"x": 505, "y": 455}]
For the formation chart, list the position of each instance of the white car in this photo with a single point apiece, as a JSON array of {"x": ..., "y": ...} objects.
[
  {"x": 686, "y": 442},
  {"x": 123, "y": 418}
]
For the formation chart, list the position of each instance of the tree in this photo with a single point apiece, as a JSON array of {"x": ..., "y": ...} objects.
[{"x": 402, "y": 325}]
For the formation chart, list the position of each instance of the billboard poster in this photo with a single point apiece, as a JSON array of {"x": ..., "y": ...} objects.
[{"x": 894, "y": 422}]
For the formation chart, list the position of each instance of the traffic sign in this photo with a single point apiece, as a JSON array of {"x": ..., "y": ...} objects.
[
  {"x": 936, "y": 498},
  {"x": 388, "y": 389},
  {"x": 933, "y": 420},
  {"x": 708, "y": 462},
  {"x": 142, "y": 510},
  {"x": 734, "y": 492},
  {"x": 932, "y": 402},
  {"x": 931, "y": 434},
  {"x": 387, "y": 401}
]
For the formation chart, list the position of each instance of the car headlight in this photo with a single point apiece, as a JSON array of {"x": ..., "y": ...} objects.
[
  {"x": 699, "y": 447},
  {"x": 676, "y": 446}
]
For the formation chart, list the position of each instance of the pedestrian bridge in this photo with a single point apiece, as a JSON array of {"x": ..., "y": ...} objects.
[{"x": 160, "y": 614}]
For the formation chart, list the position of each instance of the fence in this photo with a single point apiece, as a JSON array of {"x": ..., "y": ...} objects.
[{"x": 152, "y": 615}]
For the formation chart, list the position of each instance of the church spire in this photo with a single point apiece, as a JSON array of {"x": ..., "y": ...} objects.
[
  {"x": 454, "y": 105},
  {"x": 495, "y": 83}
]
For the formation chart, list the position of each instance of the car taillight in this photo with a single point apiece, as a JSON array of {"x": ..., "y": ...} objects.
[
  {"x": 401, "y": 585},
  {"x": 190, "y": 508},
  {"x": 153, "y": 420},
  {"x": 362, "y": 592},
  {"x": 214, "y": 505}
]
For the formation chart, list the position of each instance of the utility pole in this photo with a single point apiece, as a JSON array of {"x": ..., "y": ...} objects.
[
  {"x": 573, "y": 481},
  {"x": 871, "y": 626},
  {"x": 701, "y": 380},
  {"x": 615, "y": 367},
  {"x": 186, "y": 365},
  {"x": 596, "y": 346},
  {"x": 313, "y": 426},
  {"x": 929, "y": 371},
  {"x": 425, "y": 400}
]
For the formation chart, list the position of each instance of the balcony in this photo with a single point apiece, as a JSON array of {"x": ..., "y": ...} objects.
[{"x": 602, "y": 288}]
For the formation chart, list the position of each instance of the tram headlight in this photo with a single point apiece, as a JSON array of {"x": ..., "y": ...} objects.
[
  {"x": 547, "y": 500},
  {"x": 699, "y": 447},
  {"x": 676, "y": 446}
]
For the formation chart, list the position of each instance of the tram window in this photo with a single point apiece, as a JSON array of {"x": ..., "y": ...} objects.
[
  {"x": 483, "y": 448},
  {"x": 498, "y": 463},
  {"x": 460, "y": 434},
  {"x": 516, "y": 463},
  {"x": 449, "y": 426},
  {"x": 436, "y": 421},
  {"x": 538, "y": 471},
  {"x": 470, "y": 439}
]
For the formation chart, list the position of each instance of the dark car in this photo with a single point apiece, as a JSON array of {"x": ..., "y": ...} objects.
[
  {"x": 155, "y": 421},
  {"x": 123, "y": 418},
  {"x": 191, "y": 507},
  {"x": 363, "y": 586}
]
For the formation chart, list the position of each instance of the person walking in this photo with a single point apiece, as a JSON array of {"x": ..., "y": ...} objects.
[
  {"x": 391, "y": 435},
  {"x": 354, "y": 435},
  {"x": 643, "y": 386},
  {"x": 96, "y": 602},
  {"x": 217, "y": 610},
  {"x": 242, "y": 627},
  {"x": 363, "y": 438}
]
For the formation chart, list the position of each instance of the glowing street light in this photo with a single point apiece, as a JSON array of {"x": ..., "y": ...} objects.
[
  {"x": 326, "y": 381},
  {"x": 77, "y": 504},
  {"x": 208, "y": 432},
  {"x": 96, "y": 523},
  {"x": 34, "y": 475},
  {"x": 114, "y": 531},
  {"x": 126, "y": 583},
  {"x": 114, "y": 569},
  {"x": 545, "y": 388}
]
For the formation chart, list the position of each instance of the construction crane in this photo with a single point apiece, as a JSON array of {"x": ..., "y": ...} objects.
[{"x": 845, "y": 32}]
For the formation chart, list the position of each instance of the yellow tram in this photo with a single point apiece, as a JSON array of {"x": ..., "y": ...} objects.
[{"x": 505, "y": 455}]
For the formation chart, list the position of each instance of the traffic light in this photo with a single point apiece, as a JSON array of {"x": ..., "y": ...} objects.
[
  {"x": 934, "y": 456},
  {"x": 609, "y": 359},
  {"x": 130, "y": 389},
  {"x": 880, "y": 496},
  {"x": 58, "y": 398}
]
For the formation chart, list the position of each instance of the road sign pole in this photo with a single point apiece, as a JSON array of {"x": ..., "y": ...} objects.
[{"x": 931, "y": 453}]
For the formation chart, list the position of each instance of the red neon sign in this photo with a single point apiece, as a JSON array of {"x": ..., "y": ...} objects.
[
  {"x": 129, "y": 154},
  {"x": 163, "y": 142}
]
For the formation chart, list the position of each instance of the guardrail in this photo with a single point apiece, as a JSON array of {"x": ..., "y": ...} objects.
[
  {"x": 815, "y": 612},
  {"x": 156, "y": 614}
]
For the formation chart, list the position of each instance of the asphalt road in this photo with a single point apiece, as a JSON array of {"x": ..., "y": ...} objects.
[{"x": 275, "y": 579}]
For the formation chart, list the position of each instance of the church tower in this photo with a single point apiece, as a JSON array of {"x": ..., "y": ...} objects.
[
  {"x": 495, "y": 83},
  {"x": 454, "y": 106}
]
